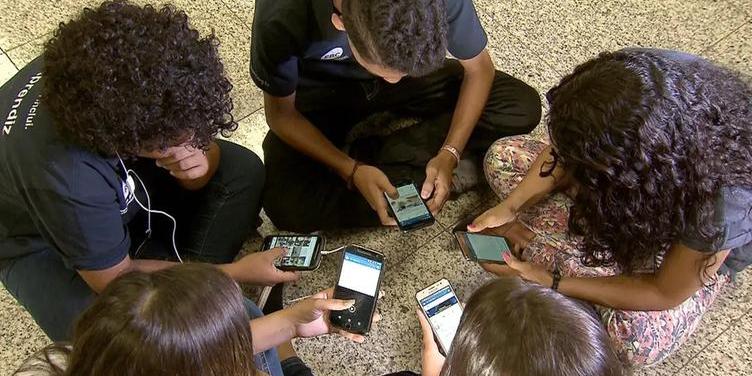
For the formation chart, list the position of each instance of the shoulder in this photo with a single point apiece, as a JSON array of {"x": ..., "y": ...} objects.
[
  {"x": 732, "y": 221},
  {"x": 291, "y": 16}
]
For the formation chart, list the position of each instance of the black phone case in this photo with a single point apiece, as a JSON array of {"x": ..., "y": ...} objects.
[
  {"x": 358, "y": 318},
  {"x": 320, "y": 245},
  {"x": 415, "y": 226}
]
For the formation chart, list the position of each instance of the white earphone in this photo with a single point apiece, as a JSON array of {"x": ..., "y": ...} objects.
[{"x": 132, "y": 185}]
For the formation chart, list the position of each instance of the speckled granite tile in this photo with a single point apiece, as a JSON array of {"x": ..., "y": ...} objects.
[
  {"x": 7, "y": 69},
  {"x": 20, "y": 337},
  {"x": 735, "y": 50},
  {"x": 394, "y": 343},
  {"x": 566, "y": 33},
  {"x": 22, "y": 21},
  {"x": 395, "y": 245},
  {"x": 29, "y": 51},
  {"x": 466, "y": 205},
  {"x": 729, "y": 354},
  {"x": 242, "y": 8}
]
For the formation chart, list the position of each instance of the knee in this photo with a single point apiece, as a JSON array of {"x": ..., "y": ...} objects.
[
  {"x": 241, "y": 168},
  {"x": 531, "y": 108},
  {"x": 516, "y": 105},
  {"x": 286, "y": 210}
]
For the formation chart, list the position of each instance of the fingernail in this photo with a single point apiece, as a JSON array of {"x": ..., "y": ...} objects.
[
  {"x": 350, "y": 303},
  {"x": 506, "y": 256}
]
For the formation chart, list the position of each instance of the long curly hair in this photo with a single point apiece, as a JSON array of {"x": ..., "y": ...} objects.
[
  {"x": 407, "y": 35},
  {"x": 123, "y": 78},
  {"x": 651, "y": 142}
]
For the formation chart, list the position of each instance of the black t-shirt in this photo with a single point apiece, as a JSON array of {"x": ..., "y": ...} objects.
[
  {"x": 53, "y": 194},
  {"x": 294, "y": 43}
]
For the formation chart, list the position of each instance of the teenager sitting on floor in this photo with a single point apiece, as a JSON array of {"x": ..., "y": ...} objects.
[{"x": 655, "y": 149}]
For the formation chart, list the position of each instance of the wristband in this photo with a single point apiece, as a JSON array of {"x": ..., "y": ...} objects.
[
  {"x": 453, "y": 151},
  {"x": 352, "y": 175},
  {"x": 557, "y": 279}
]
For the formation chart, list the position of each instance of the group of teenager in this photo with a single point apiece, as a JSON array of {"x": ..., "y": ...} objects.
[{"x": 112, "y": 174}]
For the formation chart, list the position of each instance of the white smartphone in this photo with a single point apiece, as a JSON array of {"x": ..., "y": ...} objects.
[{"x": 442, "y": 308}]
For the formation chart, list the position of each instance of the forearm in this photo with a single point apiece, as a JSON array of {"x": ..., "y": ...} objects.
[
  {"x": 295, "y": 130},
  {"x": 534, "y": 187},
  {"x": 149, "y": 266},
  {"x": 271, "y": 331},
  {"x": 634, "y": 293},
  {"x": 474, "y": 92},
  {"x": 213, "y": 156}
]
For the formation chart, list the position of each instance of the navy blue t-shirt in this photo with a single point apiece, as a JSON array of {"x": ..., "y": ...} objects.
[
  {"x": 295, "y": 43},
  {"x": 52, "y": 194}
]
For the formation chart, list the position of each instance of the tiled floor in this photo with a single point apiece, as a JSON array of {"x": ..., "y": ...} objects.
[{"x": 537, "y": 40}]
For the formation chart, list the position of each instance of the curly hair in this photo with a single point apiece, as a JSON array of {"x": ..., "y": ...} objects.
[
  {"x": 406, "y": 35},
  {"x": 123, "y": 79},
  {"x": 651, "y": 142}
]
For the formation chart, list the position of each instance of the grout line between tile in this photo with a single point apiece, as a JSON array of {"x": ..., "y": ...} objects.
[
  {"x": 731, "y": 325},
  {"x": 721, "y": 39},
  {"x": 235, "y": 14}
]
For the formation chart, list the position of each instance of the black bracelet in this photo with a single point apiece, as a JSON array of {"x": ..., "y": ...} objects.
[{"x": 557, "y": 279}]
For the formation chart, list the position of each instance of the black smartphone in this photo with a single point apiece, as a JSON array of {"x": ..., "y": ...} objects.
[
  {"x": 360, "y": 274},
  {"x": 304, "y": 251},
  {"x": 482, "y": 248},
  {"x": 409, "y": 209}
]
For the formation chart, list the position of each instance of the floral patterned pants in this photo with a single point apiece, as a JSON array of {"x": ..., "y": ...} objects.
[{"x": 640, "y": 338}]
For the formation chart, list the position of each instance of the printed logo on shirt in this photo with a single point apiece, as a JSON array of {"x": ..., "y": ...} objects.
[
  {"x": 10, "y": 119},
  {"x": 334, "y": 54}
]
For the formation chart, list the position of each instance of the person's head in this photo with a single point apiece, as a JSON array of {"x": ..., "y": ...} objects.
[
  {"x": 186, "y": 320},
  {"x": 395, "y": 38},
  {"x": 511, "y": 327},
  {"x": 650, "y": 141},
  {"x": 123, "y": 78}
]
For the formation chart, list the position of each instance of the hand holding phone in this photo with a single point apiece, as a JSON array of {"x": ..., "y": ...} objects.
[
  {"x": 310, "y": 316},
  {"x": 373, "y": 184},
  {"x": 409, "y": 209},
  {"x": 442, "y": 310},
  {"x": 482, "y": 248},
  {"x": 360, "y": 274},
  {"x": 258, "y": 268},
  {"x": 303, "y": 251}
]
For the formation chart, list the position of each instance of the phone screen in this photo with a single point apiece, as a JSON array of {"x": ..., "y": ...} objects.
[
  {"x": 409, "y": 208},
  {"x": 360, "y": 274},
  {"x": 444, "y": 312},
  {"x": 487, "y": 247},
  {"x": 359, "y": 279},
  {"x": 301, "y": 250}
]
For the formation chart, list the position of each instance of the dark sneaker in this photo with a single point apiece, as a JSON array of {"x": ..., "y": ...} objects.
[{"x": 466, "y": 176}]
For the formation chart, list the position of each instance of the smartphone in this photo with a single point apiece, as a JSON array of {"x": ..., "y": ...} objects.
[
  {"x": 360, "y": 274},
  {"x": 442, "y": 308},
  {"x": 304, "y": 251},
  {"x": 409, "y": 209},
  {"x": 482, "y": 248}
]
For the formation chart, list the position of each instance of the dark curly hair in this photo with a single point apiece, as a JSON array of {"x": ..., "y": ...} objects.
[
  {"x": 123, "y": 78},
  {"x": 406, "y": 35},
  {"x": 651, "y": 142}
]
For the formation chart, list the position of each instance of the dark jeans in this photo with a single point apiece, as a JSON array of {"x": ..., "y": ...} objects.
[
  {"x": 303, "y": 195},
  {"x": 212, "y": 225}
]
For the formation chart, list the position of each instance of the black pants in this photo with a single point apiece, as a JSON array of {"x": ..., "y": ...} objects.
[
  {"x": 212, "y": 225},
  {"x": 303, "y": 195}
]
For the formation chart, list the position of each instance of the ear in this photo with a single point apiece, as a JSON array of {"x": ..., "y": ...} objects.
[{"x": 337, "y": 22}]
